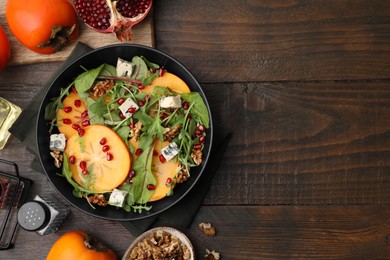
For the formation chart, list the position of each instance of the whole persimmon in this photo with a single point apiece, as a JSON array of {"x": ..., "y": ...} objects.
[
  {"x": 42, "y": 26},
  {"x": 79, "y": 245}
]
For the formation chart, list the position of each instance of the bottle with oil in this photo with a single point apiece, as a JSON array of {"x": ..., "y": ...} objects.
[{"x": 8, "y": 115}]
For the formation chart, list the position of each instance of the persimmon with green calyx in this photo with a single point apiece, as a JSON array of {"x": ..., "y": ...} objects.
[
  {"x": 170, "y": 81},
  {"x": 73, "y": 115},
  {"x": 99, "y": 159},
  {"x": 79, "y": 245},
  {"x": 42, "y": 26}
]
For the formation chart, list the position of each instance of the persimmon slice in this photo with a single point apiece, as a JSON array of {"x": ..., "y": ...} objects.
[
  {"x": 168, "y": 80},
  {"x": 161, "y": 170},
  {"x": 71, "y": 114},
  {"x": 107, "y": 163}
]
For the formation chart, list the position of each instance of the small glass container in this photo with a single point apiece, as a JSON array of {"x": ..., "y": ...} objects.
[
  {"x": 8, "y": 115},
  {"x": 43, "y": 215}
]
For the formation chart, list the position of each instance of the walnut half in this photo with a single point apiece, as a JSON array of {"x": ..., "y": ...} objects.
[
  {"x": 58, "y": 158},
  {"x": 212, "y": 255},
  {"x": 207, "y": 229}
]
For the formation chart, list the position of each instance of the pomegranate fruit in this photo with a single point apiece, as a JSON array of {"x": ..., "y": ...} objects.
[{"x": 107, "y": 16}]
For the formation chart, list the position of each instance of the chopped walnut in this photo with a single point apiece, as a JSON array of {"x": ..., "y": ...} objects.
[
  {"x": 100, "y": 88},
  {"x": 58, "y": 158},
  {"x": 98, "y": 199},
  {"x": 212, "y": 255},
  {"x": 182, "y": 175},
  {"x": 172, "y": 133},
  {"x": 136, "y": 131},
  {"x": 207, "y": 229},
  {"x": 196, "y": 155},
  {"x": 160, "y": 245}
]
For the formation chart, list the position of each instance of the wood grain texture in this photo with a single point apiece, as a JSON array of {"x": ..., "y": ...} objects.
[
  {"x": 303, "y": 143},
  {"x": 143, "y": 33},
  {"x": 280, "y": 232},
  {"x": 238, "y": 41}
]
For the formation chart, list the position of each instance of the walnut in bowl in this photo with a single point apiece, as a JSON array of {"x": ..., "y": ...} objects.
[{"x": 161, "y": 243}]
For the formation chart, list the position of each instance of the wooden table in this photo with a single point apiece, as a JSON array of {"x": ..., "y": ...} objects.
[{"x": 305, "y": 88}]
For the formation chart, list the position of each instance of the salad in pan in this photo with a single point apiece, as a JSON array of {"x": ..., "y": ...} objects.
[{"x": 126, "y": 135}]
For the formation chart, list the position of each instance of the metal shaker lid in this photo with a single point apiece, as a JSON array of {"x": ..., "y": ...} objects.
[{"x": 33, "y": 215}]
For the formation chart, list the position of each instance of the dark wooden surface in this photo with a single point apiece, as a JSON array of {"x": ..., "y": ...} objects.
[{"x": 305, "y": 88}]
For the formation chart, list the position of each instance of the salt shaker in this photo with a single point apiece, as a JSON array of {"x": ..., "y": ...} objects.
[{"x": 44, "y": 215}]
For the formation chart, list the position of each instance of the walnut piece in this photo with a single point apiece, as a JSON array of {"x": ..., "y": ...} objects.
[
  {"x": 98, "y": 199},
  {"x": 196, "y": 155},
  {"x": 182, "y": 175},
  {"x": 100, "y": 88},
  {"x": 58, "y": 158},
  {"x": 172, "y": 133},
  {"x": 160, "y": 245},
  {"x": 212, "y": 255},
  {"x": 135, "y": 131},
  {"x": 207, "y": 229}
]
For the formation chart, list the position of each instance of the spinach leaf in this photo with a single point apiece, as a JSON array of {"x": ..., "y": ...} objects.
[
  {"x": 199, "y": 109},
  {"x": 150, "y": 64},
  {"x": 143, "y": 177},
  {"x": 84, "y": 81},
  {"x": 108, "y": 70},
  {"x": 98, "y": 108},
  {"x": 141, "y": 70}
]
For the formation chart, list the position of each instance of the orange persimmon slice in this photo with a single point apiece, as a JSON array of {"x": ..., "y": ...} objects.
[
  {"x": 161, "y": 170},
  {"x": 99, "y": 160},
  {"x": 169, "y": 80},
  {"x": 71, "y": 114}
]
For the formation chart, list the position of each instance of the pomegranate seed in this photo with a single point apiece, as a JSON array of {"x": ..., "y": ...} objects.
[
  {"x": 83, "y": 165},
  {"x": 163, "y": 116},
  {"x": 77, "y": 103},
  {"x": 85, "y": 123},
  {"x": 141, "y": 103},
  {"x": 168, "y": 181},
  {"x": 84, "y": 172},
  {"x": 162, "y": 158},
  {"x": 80, "y": 132},
  {"x": 72, "y": 159},
  {"x": 131, "y": 174},
  {"x": 109, "y": 156},
  {"x": 198, "y": 132},
  {"x": 84, "y": 114},
  {"x": 75, "y": 126},
  {"x": 132, "y": 110},
  {"x": 138, "y": 152},
  {"x": 121, "y": 101},
  {"x": 74, "y": 90},
  {"x": 121, "y": 115},
  {"x": 150, "y": 187},
  {"x": 202, "y": 139},
  {"x": 131, "y": 181},
  {"x": 105, "y": 148},
  {"x": 147, "y": 98},
  {"x": 155, "y": 153},
  {"x": 67, "y": 121},
  {"x": 67, "y": 109},
  {"x": 185, "y": 105},
  {"x": 189, "y": 117},
  {"x": 103, "y": 141},
  {"x": 161, "y": 72},
  {"x": 140, "y": 86},
  {"x": 197, "y": 146},
  {"x": 201, "y": 128}
]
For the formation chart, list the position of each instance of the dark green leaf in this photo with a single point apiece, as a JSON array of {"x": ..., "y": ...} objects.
[
  {"x": 84, "y": 81},
  {"x": 199, "y": 108}
]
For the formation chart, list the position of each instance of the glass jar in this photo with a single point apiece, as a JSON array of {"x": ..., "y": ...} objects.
[{"x": 8, "y": 115}]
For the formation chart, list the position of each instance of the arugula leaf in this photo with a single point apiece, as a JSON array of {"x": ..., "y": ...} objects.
[
  {"x": 84, "y": 81},
  {"x": 143, "y": 177},
  {"x": 51, "y": 108},
  {"x": 199, "y": 108},
  {"x": 150, "y": 64}
]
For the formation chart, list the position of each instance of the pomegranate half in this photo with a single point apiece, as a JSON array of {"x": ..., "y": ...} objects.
[{"x": 107, "y": 16}]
